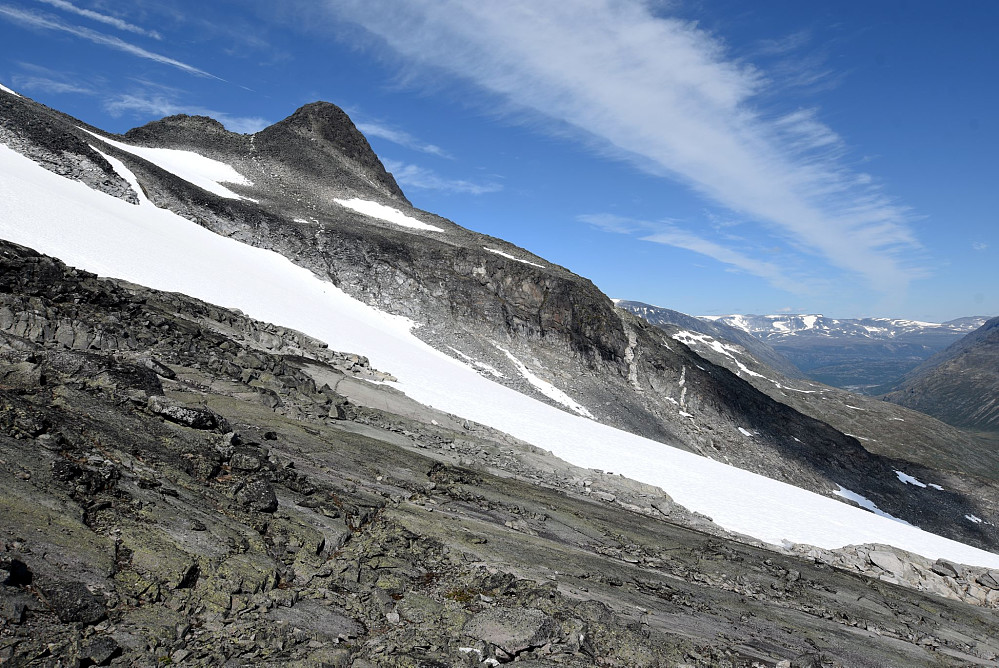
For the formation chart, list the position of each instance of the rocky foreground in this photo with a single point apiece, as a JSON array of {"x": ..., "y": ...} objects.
[{"x": 184, "y": 485}]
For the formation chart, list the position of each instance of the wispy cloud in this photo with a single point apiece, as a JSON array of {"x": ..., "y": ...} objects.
[
  {"x": 50, "y": 22},
  {"x": 402, "y": 138},
  {"x": 101, "y": 18},
  {"x": 979, "y": 246},
  {"x": 670, "y": 233},
  {"x": 414, "y": 176},
  {"x": 671, "y": 97},
  {"x": 161, "y": 105},
  {"x": 48, "y": 85}
]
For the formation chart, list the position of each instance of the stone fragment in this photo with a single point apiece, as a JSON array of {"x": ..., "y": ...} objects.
[
  {"x": 195, "y": 417},
  {"x": 73, "y": 602},
  {"x": 513, "y": 630},
  {"x": 945, "y": 568},
  {"x": 989, "y": 579},
  {"x": 886, "y": 561},
  {"x": 159, "y": 368},
  {"x": 257, "y": 495}
]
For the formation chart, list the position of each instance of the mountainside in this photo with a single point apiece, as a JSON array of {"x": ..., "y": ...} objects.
[
  {"x": 854, "y": 354},
  {"x": 959, "y": 385},
  {"x": 300, "y": 225},
  {"x": 185, "y": 485},
  {"x": 756, "y": 347}
]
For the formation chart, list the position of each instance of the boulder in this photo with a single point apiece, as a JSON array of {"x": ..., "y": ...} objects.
[
  {"x": 73, "y": 602},
  {"x": 195, "y": 417},
  {"x": 886, "y": 561},
  {"x": 513, "y": 630},
  {"x": 257, "y": 495}
]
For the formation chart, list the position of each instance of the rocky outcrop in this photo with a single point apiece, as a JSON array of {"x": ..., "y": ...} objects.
[{"x": 298, "y": 534}]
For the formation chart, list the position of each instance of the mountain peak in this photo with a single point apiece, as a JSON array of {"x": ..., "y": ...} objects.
[
  {"x": 327, "y": 131},
  {"x": 177, "y": 125},
  {"x": 324, "y": 121}
]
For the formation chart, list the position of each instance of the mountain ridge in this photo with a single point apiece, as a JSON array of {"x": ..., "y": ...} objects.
[
  {"x": 958, "y": 385},
  {"x": 338, "y": 503}
]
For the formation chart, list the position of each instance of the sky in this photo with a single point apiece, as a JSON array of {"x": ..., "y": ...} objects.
[{"x": 709, "y": 157}]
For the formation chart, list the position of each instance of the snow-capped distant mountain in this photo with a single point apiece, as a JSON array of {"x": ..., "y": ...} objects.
[
  {"x": 756, "y": 347},
  {"x": 856, "y": 354},
  {"x": 780, "y": 327}
]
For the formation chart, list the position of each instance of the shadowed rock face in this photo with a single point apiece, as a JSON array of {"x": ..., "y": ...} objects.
[
  {"x": 472, "y": 300},
  {"x": 299, "y": 525},
  {"x": 959, "y": 385}
]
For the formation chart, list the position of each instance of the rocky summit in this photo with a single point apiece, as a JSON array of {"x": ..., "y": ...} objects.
[{"x": 185, "y": 484}]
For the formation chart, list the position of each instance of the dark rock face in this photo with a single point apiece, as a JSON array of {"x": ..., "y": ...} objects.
[
  {"x": 960, "y": 385},
  {"x": 381, "y": 539},
  {"x": 73, "y": 602}
]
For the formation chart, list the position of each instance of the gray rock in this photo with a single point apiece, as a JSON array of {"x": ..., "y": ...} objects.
[
  {"x": 195, "y": 417},
  {"x": 319, "y": 619},
  {"x": 945, "y": 568},
  {"x": 73, "y": 602},
  {"x": 886, "y": 561},
  {"x": 257, "y": 495},
  {"x": 989, "y": 579},
  {"x": 512, "y": 629}
]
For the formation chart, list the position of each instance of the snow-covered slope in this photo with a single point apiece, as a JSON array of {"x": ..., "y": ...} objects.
[{"x": 157, "y": 248}]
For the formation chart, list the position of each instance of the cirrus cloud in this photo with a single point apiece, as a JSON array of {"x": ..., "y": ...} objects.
[{"x": 667, "y": 95}]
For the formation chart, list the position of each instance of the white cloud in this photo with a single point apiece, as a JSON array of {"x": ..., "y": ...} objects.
[
  {"x": 979, "y": 246},
  {"x": 49, "y": 22},
  {"x": 160, "y": 105},
  {"x": 101, "y": 18},
  {"x": 670, "y": 96},
  {"x": 414, "y": 176},
  {"x": 51, "y": 85},
  {"x": 669, "y": 233},
  {"x": 401, "y": 138}
]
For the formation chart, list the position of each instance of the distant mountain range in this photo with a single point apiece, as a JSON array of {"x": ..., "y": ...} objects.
[
  {"x": 861, "y": 355},
  {"x": 959, "y": 385}
]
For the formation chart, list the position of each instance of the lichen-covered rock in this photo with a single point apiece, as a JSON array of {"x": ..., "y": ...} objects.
[
  {"x": 194, "y": 417},
  {"x": 257, "y": 495},
  {"x": 513, "y": 630},
  {"x": 73, "y": 602}
]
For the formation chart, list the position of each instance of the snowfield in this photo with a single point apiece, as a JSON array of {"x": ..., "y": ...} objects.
[
  {"x": 154, "y": 247},
  {"x": 203, "y": 172},
  {"x": 386, "y": 213},
  {"x": 7, "y": 90}
]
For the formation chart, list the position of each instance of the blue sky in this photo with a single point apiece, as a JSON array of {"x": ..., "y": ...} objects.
[{"x": 711, "y": 157}]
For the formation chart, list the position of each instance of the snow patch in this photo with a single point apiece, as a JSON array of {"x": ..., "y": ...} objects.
[
  {"x": 973, "y": 518},
  {"x": 386, "y": 213},
  {"x": 864, "y": 502},
  {"x": 7, "y": 90},
  {"x": 745, "y": 432},
  {"x": 203, "y": 172},
  {"x": 546, "y": 388},
  {"x": 908, "y": 479},
  {"x": 683, "y": 336},
  {"x": 936, "y": 487},
  {"x": 162, "y": 250},
  {"x": 511, "y": 257},
  {"x": 488, "y": 368}
]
